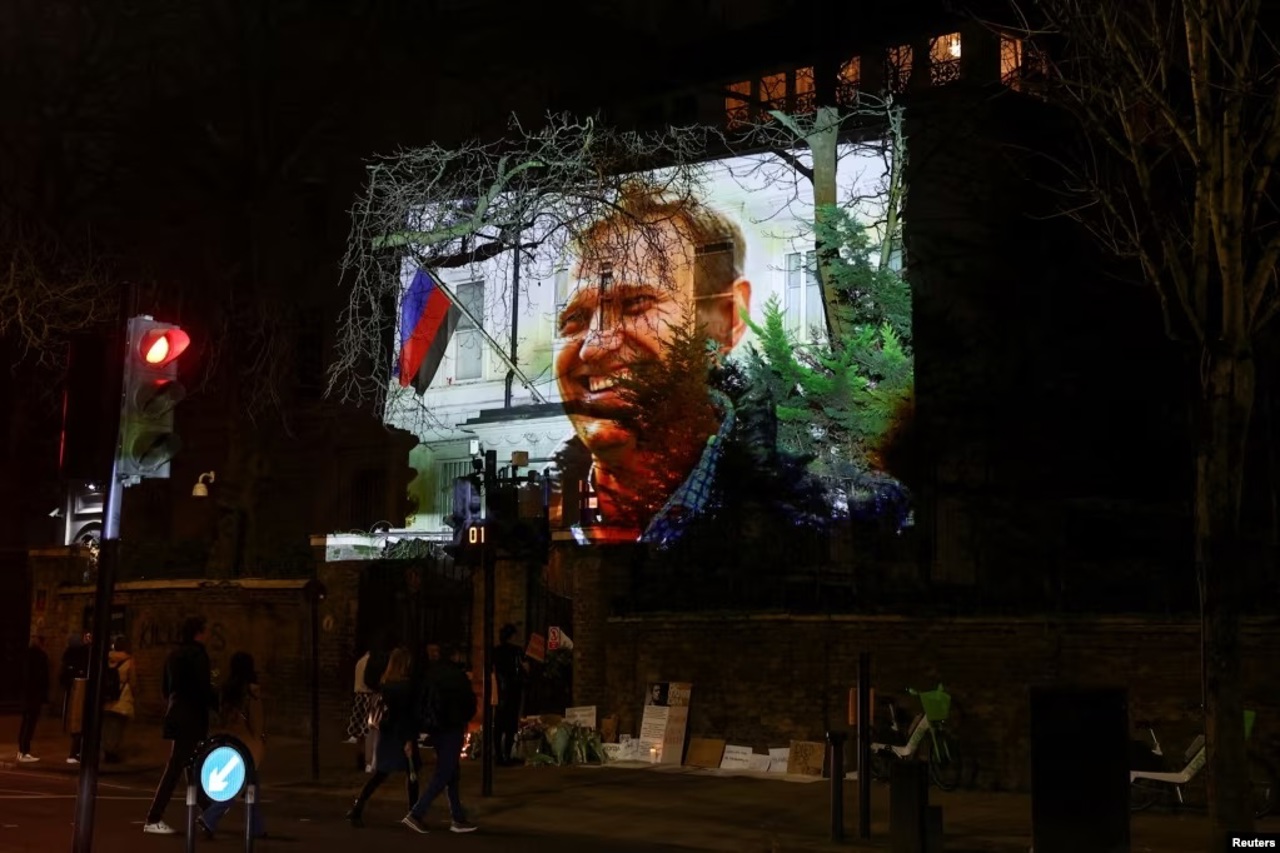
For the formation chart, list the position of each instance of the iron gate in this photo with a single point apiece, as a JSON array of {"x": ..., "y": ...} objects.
[{"x": 418, "y": 600}]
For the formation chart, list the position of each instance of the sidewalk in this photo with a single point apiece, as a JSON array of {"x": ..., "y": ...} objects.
[{"x": 701, "y": 810}]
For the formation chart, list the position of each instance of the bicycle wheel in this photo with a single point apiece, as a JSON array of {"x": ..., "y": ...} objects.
[
  {"x": 1263, "y": 786},
  {"x": 946, "y": 764}
]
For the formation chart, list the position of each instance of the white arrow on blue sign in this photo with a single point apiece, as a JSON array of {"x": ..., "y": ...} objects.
[{"x": 222, "y": 773}]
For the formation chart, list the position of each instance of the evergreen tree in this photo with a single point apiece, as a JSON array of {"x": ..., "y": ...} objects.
[{"x": 839, "y": 402}]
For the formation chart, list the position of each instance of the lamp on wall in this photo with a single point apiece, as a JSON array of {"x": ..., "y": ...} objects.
[{"x": 200, "y": 490}]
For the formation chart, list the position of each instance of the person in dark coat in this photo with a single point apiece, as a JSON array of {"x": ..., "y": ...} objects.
[
  {"x": 397, "y": 747},
  {"x": 510, "y": 672},
  {"x": 35, "y": 693},
  {"x": 447, "y": 703},
  {"x": 188, "y": 687},
  {"x": 75, "y": 671}
]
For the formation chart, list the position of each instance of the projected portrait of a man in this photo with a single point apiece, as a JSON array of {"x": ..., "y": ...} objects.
[{"x": 659, "y": 296}]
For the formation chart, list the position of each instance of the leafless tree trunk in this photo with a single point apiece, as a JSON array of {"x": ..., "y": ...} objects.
[{"x": 1180, "y": 100}]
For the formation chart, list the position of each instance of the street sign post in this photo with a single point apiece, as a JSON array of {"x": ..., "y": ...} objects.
[
  {"x": 222, "y": 774},
  {"x": 223, "y": 767}
]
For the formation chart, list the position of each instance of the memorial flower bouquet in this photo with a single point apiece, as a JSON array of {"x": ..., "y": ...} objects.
[{"x": 561, "y": 743}]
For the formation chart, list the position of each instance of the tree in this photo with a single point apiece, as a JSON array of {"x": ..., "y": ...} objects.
[
  {"x": 1179, "y": 104},
  {"x": 808, "y": 147}
]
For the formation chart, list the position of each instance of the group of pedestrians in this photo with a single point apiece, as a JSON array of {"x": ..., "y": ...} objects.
[
  {"x": 404, "y": 699},
  {"x": 119, "y": 688},
  {"x": 398, "y": 699}
]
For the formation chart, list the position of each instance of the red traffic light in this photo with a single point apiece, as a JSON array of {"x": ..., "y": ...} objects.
[{"x": 159, "y": 347}]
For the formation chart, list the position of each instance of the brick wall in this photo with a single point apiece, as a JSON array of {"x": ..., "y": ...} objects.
[
  {"x": 271, "y": 619},
  {"x": 764, "y": 680}
]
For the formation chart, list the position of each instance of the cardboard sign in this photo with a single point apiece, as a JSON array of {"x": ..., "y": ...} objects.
[
  {"x": 736, "y": 758},
  {"x": 704, "y": 752},
  {"x": 779, "y": 757},
  {"x": 806, "y": 758},
  {"x": 584, "y": 715},
  {"x": 653, "y": 732},
  {"x": 537, "y": 648}
]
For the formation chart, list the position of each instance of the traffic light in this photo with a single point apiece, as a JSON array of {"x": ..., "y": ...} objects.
[{"x": 151, "y": 392}]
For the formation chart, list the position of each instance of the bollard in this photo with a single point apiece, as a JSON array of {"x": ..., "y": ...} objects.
[
  {"x": 836, "y": 741},
  {"x": 250, "y": 802},
  {"x": 191, "y": 816},
  {"x": 908, "y": 806}
]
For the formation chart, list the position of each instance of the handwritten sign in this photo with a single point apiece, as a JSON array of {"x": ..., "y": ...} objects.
[
  {"x": 736, "y": 758},
  {"x": 759, "y": 763},
  {"x": 778, "y": 759}
]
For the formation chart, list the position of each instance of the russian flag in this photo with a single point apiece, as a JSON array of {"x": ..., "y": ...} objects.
[{"x": 427, "y": 321}]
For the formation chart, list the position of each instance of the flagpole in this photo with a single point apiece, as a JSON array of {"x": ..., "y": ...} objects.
[{"x": 506, "y": 359}]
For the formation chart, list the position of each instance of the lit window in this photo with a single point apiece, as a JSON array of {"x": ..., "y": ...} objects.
[
  {"x": 773, "y": 91},
  {"x": 898, "y": 68},
  {"x": 1011, "y": 61},
  {"x": 737, "y": 104},
  {"x": 850, "y": 80},
  {"x": 468, "y": 339},
  {"x": 805, "y": 97},
  {"x": 944, "y": 59},
  {"x": 802, "y": 296}
]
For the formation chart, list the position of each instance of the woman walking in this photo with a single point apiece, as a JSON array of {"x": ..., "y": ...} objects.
[
  {"x": 241, "y": 710},
  {"x": 117, "y": 709},
  {"x": 397, "y": 748}
]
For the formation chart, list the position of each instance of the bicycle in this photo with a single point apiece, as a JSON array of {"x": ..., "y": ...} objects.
[
  {"x": 943, "y": 754},
  {"x": 1156, "y": 782}
]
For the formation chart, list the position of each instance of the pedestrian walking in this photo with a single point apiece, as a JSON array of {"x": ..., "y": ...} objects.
[
  {"x": 446, "y": 704},
  {"x": 397, "y": 748},
  {"x": 361, "y": 704},
  {"x": 35, "y": 694},
  {"x": 118, "y": 689},
  {"x": 74, "y": 678},
  {"x": 242, "y": 717},
  {"x": 187, "y": 687}
]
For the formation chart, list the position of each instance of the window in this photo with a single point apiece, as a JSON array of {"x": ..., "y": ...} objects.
[
  {"x": 791, "y": 91},
  {"x": 897, "y": 70},
  {"x": 367, "y": 499},
  {"x": 468, "y": 340},
  {"x": 850, "y": 80},
  {"x": 944, "y": 59},
  {"x": 1011, "y": 62},
  {"x": 737, "y": 104},
  {"x": 802, "y": 296}
]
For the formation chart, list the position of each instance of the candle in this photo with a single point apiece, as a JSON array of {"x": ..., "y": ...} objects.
[{"x": 653, "y": 755}]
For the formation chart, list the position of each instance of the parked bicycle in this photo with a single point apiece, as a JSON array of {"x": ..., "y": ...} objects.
[
  {"x": 1155, "y": 780},
  {"x": 926, "y": 733}
]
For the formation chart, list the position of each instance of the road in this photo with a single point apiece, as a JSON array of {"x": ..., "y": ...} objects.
[{"x": 36, "y": 811}]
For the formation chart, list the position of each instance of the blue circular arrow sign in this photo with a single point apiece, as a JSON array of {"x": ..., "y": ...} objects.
[{"x": 222, "y": 773}]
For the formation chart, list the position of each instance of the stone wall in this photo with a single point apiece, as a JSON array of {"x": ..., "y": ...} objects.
[{"x": 764, "y": 680}]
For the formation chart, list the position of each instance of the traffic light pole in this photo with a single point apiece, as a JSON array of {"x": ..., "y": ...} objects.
[
  {"x": 488, "y": 560},
  {"x": 91, "y": 721}
]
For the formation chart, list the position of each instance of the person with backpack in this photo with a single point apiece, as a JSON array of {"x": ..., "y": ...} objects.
[
  {"x": 240, "y": 710},
  {"x": 397, "y": 744},
  {"x": 119, "y": 685},
  {"x": 446, "y": 704}
]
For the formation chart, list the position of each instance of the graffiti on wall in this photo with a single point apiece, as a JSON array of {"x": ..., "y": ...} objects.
[{"x": 157, "y": 631}]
